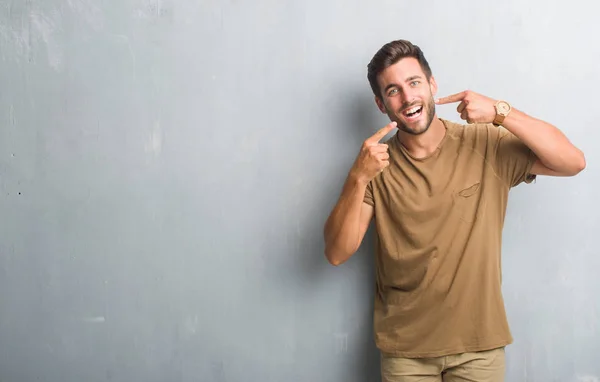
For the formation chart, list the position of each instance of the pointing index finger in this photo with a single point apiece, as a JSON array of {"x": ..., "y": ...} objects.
[
  {"x": 375, "y": 138},
  {"x": 452, "y": 98}
]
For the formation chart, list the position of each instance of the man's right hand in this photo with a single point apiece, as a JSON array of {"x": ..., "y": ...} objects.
[{"x": 373, "y": 156}]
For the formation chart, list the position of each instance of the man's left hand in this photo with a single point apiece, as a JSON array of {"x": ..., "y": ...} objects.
[{"x": 473, "y": 107}]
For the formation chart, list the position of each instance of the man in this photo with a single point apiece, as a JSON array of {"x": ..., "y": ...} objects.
[{"x": 438, "y": 193}]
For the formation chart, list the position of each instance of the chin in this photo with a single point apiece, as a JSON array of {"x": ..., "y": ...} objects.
[{"x": 418, "y": 130}]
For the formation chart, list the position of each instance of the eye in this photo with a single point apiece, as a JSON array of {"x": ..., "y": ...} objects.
[
  {"x": 415, "y": 83},
  {"x": 392, "y": 92}
]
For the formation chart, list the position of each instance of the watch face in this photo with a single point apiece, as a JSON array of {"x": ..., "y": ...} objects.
[{"x": 503, "y": 107}]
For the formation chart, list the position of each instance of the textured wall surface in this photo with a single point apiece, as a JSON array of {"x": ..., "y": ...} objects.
[{"x": 166, "y": 167}]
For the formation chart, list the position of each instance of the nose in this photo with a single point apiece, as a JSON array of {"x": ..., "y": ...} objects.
[
  {"x": 409, "y": 101},
  {"x": 408, "y": 96}
]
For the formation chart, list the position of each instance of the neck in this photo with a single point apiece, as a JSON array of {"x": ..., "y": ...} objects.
[{"x": 423, "y": 145}]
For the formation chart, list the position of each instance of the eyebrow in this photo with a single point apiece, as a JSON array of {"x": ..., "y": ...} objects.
[
  {"x": 413, "y": 78},
  {"x": 407, "y": 80}
]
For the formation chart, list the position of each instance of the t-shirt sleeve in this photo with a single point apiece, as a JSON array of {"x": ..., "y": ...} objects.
[
  {"x": 369, "y": 194},
  {"x": 513, "y": 159}
]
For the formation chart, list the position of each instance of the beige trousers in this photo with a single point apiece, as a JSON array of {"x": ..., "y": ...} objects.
[{"x": 485, "y": 366}]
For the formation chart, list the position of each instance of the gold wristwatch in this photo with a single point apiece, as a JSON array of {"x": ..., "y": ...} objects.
[{"x": 502, "y": 110}]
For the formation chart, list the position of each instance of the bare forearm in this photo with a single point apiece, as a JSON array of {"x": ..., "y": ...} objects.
[
  {"x": 342, "y": 229},
  {"x": 549, "y": 144},
  {"x": 346, "y": 225}
]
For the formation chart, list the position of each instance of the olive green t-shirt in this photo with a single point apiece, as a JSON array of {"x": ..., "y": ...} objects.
[{"x": 439, "y": 225}]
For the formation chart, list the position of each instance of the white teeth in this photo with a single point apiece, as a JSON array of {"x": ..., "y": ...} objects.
[{"x": 412, "y": 110}]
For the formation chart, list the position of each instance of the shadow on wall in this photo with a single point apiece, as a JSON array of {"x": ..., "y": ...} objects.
[
  {"x": 302, "y": 273},
  {"x": 364, "y": 122},
  {"x": 361, "y": 357}
]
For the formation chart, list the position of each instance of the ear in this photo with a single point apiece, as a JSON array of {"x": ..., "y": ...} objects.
[
  {"x": 380, "y": 105},
  {"x": 433, "y": 86}
]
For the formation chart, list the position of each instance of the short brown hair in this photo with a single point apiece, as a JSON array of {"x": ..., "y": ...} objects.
[{"x": 391, "y": 53}]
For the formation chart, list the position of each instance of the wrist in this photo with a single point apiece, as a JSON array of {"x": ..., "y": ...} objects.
[
  {"x": 357, "y": 179},
  {"x": 502, "y": 111}
]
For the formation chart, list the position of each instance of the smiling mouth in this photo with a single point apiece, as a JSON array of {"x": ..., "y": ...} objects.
[{"x": 413, "y": 112}]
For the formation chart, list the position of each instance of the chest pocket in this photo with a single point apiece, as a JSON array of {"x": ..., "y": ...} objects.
[{"x": 468, "y": 201}]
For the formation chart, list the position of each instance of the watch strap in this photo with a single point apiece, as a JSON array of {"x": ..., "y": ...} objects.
[{"x": 498, "y": 119}]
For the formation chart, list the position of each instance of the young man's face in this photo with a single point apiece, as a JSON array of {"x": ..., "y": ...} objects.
[{"x": 407, "y": 96}]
